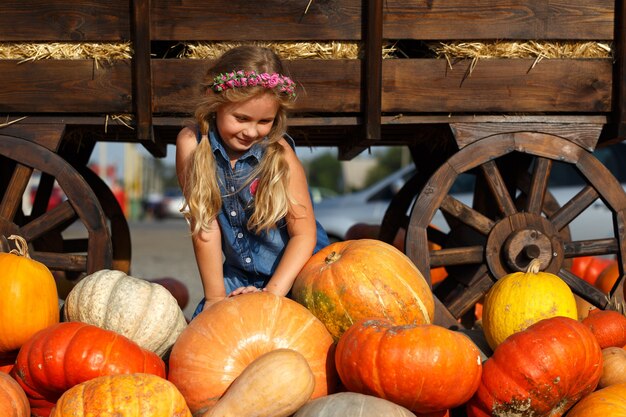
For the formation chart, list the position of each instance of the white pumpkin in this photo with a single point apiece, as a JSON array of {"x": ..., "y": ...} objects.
[{"x": 144, "y": 312}]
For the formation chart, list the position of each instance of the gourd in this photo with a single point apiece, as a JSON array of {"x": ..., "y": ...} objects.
[
  {"x": 61, "y": 356},
  {"x": 133, "y": 395},
  {"x": 589, "y": 268},
  {"x": 425, "y": 368},
  {"x": 608, "y": 326},
  {"x": 355, "y": 279},
  {"x": 144, "y": 312},
  {"x": 13, "y": 401},
  {"x": 613, "y": 367},
  {"x": 29, "y": 297},
  {"x": 520, "y": 299},
  {"x": 352, "y": 404},
  {"x": 608, "y": 277},
  {"x": 225, "y": 338},
  {"x": 541, "y": 371},
  {"x": 607, "y": 402},
  {"x": 176, "y": 287},
  {"x": 276, "y": 384}
]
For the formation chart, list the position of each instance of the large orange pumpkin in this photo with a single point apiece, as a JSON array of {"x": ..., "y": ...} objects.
[
  {"x": 13, "y": 401},
  {"x": 425, "y": 368},
  {"x": 356, "y": 279},
  {"x": 225, "y": 338},
  {"x": 541, "y": 371},
  {"x": 135, "y": 395},
  {"x": 29, "y": 297},
  {"x": 61, "y": 356},
  {"x": 606, "y": 402}
]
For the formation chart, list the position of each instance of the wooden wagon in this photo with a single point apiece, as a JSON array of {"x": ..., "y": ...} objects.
[{"x": 506, "y": 122}]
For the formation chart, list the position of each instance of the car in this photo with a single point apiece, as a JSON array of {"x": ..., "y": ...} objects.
[
  {"x": 171, "y": 203},
  {"x": 369, "y": 205}
]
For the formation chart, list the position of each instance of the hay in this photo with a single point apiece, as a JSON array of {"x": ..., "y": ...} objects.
[
  {"x": 99, "y": 52},
  {"x": 285, "y": 49}
]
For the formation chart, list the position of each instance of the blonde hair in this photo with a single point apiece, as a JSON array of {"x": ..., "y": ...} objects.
[{"x": 201, "y": 189}]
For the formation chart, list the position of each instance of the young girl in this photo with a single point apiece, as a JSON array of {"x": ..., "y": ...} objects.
[{"x": 247, "y": 197}]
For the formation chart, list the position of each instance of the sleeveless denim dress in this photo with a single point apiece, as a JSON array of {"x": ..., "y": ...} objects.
[{"x": 249, "y": 258}]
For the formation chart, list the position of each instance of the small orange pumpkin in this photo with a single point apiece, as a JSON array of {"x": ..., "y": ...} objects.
[
  {"x": 30, "y": 301},
  {"x": 608, "y": 277},
  {"x": 608, "y": 326},
  {"x": 13, "y": 401}
]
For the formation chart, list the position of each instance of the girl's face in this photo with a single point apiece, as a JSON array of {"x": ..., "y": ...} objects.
[{"x": 241, "y": 125}]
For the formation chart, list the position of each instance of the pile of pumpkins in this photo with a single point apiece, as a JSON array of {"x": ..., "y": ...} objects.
[{"x": 356, "y": 338}]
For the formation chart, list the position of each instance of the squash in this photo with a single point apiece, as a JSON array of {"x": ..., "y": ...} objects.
[
  {"x": 613, "y": 367},
  {"x": 176, "y": 287},
  {"x": 607, "y": 402},
  {"x": 225, "y": 338},
  {"x": 541, "y": 371},
  {"x": 29, "y": 297},
  {"x": 589, "y": 268},
  {"x": 144, "y": 312},
  {"x": 425, "y": 368},
  {"x": 13, "y": 401},
  {"x": 608, "y": 277},
  {"x": 608, "y": 326},
  {"x": 133, "y": 395},
  {"x": 355, "y": 279},
  {"x": 520, "y": 299},
  {"x": 61, "y": 356},
  {"x": 276, "y": 384},
  {"x": 352, "y": 404}
]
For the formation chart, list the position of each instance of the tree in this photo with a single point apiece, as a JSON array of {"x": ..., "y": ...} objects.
[
  {"x": 389, "y": 161},
  {"x": 325, "y": 171}
]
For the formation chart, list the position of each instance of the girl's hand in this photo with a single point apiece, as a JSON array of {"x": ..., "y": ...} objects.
[{"x": 244, "y": 290}]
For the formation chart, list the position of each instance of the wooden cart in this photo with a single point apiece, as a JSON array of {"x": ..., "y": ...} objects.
[{"x": 506, "y": 123}]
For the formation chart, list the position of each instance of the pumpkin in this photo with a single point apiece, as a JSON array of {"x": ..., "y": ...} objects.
[
  {"x": 608, "y": 326},
  {"x": 177, "y": 288},
  {"x": 61, "y": 356},
  {"x": 541, "y": 371},
  {"x": 276, "y": 384},
  {"x": 589, "y": 268},
  {"x": 613, "y": 367},
  {"x": 423, "y": 367},
  {"x": 607, "y": 402},
  {"x": 608, "y": 277},
  {"x": 144, "y": 312},
  {"x": 225, "y": 338},
  {"x": 133, "y": 395},
  {"x": 355, "y": 279},
  {"x": 29, "y": 297},
  {"x": 352, "y": 404},
  {"x": 13, "y": 401},
  {"x": 520, "y": 299}
]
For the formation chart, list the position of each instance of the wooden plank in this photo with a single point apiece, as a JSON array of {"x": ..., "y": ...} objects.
[
  {"x": 142, "y": 73},
  {"x": 65, "y": 86},
  {"x": 64, "y": 20},
  {"x": 502, "y": 19}
]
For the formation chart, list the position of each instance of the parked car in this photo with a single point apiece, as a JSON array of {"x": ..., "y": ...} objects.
[
  {"x": 171, "y": 203},
  {"x": 369, "y": 205}
]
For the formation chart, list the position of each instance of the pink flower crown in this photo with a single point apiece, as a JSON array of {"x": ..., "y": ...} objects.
[{"x": 228, "y": 80}]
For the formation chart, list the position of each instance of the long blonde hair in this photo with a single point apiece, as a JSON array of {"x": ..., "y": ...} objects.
[{"x": 201, "y": 189}]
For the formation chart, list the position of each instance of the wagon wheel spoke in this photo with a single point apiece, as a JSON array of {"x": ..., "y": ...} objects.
[
  {"x": 574, "y": 207},
  {"x": 584, "y": 289},
  {"x": 457, "y": 256},
  {"x": 591, "y": 247},
  {"x": 12, "y": 198},
  {"x": 467, "y": 215},
  {"x": 61, "y": 261},
  {"x": 498, "y": 188},
  {"x": 52, "y": 220},
  {"x": 538, "y": 185}
]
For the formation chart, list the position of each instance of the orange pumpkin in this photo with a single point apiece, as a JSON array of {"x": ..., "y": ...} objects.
[
  {"x": 608, "y": 277},
  {"x": 356, "y": 279},
  {"x": 225, "y": 338},
  {"x": 606, "y": 402},
  {"x": 609, "y": 327},
  {"x": 425, "y": 368},
  {"x": 29, "y": 297},
  {"x": 133, "y": 395},
  {"x": 589, "y": 268},
  {"x": 13, "y": 401}
]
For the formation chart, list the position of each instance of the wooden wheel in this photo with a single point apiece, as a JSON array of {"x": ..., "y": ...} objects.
[
  {"x": 498, "y": 236},
  {"x": 44, "y": 228}
]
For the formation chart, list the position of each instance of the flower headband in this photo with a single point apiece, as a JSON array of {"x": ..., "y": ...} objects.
[{"x": 228, "y": 80}]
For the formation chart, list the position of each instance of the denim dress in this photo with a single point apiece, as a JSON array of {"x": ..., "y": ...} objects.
[{"x": 249, "y": 258}]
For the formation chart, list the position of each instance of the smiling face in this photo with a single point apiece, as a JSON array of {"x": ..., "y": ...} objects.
[{"x": 241, "y": 125}]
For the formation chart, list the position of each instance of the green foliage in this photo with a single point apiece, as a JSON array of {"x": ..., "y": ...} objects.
[
  {"x": 325, "y": 171},
  {"x": 389, "y": 161}
]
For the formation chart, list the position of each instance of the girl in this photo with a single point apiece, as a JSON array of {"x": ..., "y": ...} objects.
[{"x": 246, "y": 193}]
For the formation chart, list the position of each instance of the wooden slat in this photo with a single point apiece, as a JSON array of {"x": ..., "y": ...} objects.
[
  {"x": 142, "y": 72},
  {"x": 64, "y": 20},
  {"x": 66, "y": 86},
  {"x": 502, "y": 19}
]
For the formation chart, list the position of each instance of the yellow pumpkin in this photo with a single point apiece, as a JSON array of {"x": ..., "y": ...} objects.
[
  {"x": 521, "y": 299},
  {"x": 29, "y": 297}
]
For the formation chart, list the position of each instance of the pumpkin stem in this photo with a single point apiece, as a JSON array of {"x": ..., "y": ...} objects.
[
  {"x": 332, "y": 257},
  {"x": 22, "y": 246},
  {"x": 534, "y": 266}
]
